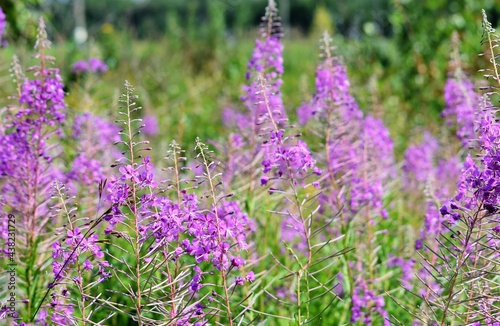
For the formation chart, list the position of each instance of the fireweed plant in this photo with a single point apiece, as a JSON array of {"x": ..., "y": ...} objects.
[
  {"x": 92, "y": 65},
  {"x": 3, "y": 24},
  {"x": 292, "y": 225},
  {"x": 467, "y": 268},
  {"x": 459, "y": 242},
  {"x": 434, "y": 167},
  {"x": 357, "y": 153},
  {"x": 286, "y": 170},
  {"x": 28, "y": 166}
]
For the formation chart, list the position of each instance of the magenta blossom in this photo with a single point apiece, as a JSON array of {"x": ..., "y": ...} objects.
[{"x": 93, "y": 65}]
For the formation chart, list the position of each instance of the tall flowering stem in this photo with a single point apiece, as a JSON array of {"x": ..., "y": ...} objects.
[
  {"x": 208, "y": 167},
  {"x": 461, "y": 105},
  {"x": 173, "y": 241},
  {"x": 359, "y": 161},
  {"x": 289, "y": 165},
  {"x": 467, "y": 268},
  {"x": 27, "y": 162},
  {"x": 428, "y": 169},
  {"x": 76, "y": 255},
  {"x": 129, "y": 172},
  {"x": 266, "y": 61},
  {"x": 277, "y": 140}
]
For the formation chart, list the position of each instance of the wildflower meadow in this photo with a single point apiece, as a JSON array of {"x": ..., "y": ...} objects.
[{"x": 300, "y": 215}]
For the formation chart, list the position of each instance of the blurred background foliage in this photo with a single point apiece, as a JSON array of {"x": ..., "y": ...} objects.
[{"x": 188, "y": 58}]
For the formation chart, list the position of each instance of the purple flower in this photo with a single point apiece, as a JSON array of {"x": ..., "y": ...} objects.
[
  {"x": 128, "y": 172},
  {"x": 419, "y": 162},
  {"x": 97, "y": 66},
  {"x": 57, "y": 252},
  {"x": 366, "y": 305},
  {"x": 462, "y": 102},
  {"x": 266, "y": 62},
  {"x": 74, "y": 237},
  {"x": 95, "y": 138},
  {"x": 69, "y": 255},
  {"x": 28, "y": 147},
  {"x": 195, "y": 286},
  {"x": 3, "y": 24},
  {"x": 118, "y": 192},
  {"x": 86, "y": 171},
  {"x": 96, "y": 132},
  {"x": 92, "y": 65},
  {"x": 406, "y": 266},
  {"x": 239, "y": 281},
  {"x": 42, "y": 317},
  {"x": 232, "y": 118},
  {"x": 360, "y": 149},
  {"x": 305, "y": 113},
  {"x": 332, "y": 93},
  {"x": 146, "y": 173},
  {"x": 43, "y": 99},
  {"x": 80, "y": 66},
  {"x": 250, "y": 276},
  {"x": 87, "y": 265},
  {"x": 150, "y": 125},
  {"x": 280, "y": 157},
  {"x": 423, "y": 168},
  {"x": 237, "y": 261}
]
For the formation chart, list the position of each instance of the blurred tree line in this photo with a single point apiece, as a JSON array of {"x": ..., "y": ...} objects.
[
  {"x": 418, "y": 26},
  {"x": 152, "y": 18}
]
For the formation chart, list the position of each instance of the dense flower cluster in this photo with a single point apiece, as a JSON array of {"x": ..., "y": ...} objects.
[
  {"x": 419, "y": 162},
  {"x": 25, "y": 154},
  {"x": 3, "y": 24},
  {"x": 119, "y": 190},
  {"x": 426, "y": 168},
  {"x": 59, "y": 313},
  {"x": 94, "y": 131},
  {"x": 333, "y": 104},
  {"x": 233, "y": 226},
  {"x": 470, "y": 218},
  {"x": 195, "y": 232},
  {"x": 359, "y": 149},
  {"x": 86, "y": 171},
  {"x": 27, "y": 162},
  {"x": 267, "y": 62},
  {"x": 78, "y": 251},
  {"x": 183, "y": 227},
  {"x": 292, "y": 161},
  {"x": 95, "y": 137},
  {"x": 369, "y": 166},
  {"x": 42, "y": 101},
  {"x": 461, "y": 106},
  {"x": 365, "y": 304},
  {"x": 478, "y": 184},
  {"x": 92, "y": 65},
  {"x": 332, "y": 94}
]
